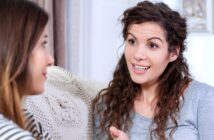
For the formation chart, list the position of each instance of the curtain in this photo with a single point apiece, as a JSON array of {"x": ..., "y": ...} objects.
[{"x": 56, "y": 28}]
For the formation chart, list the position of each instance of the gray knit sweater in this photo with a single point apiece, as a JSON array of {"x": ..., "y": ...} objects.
[{"x": 195, "y": 119}]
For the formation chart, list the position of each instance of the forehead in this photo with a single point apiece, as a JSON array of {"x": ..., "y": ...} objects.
[{"x": 147, "y": 29}]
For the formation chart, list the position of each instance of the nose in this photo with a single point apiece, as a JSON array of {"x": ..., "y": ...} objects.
[
  {"x": 140, "y": 53},
  {"x": 50, "y": 60}
]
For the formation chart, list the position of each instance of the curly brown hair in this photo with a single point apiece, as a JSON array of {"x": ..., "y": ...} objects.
[{"x": 114, "y": 104}]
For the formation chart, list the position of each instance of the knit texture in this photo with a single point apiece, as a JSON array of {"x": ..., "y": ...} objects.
[{"x": 64, "y": 109}]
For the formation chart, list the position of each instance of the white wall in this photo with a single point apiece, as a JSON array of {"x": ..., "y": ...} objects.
[
  {"x": 200, "y": 56},
  {"x": 102, "y": 38}
]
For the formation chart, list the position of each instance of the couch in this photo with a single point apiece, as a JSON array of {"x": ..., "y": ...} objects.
[{"x": 64, "y": 109}]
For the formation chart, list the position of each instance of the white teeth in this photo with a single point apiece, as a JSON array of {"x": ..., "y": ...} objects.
[{"x": 141, "y": 67}]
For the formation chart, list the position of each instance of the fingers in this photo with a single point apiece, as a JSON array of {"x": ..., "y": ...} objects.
[
  {"x": 114, "y": 132},
  {"x": 117, "y": 134}
]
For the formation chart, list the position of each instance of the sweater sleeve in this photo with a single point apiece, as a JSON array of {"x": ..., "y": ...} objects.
[{"x": 206, "y": 115}]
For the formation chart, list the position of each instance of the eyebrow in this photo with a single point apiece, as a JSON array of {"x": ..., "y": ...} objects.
[
  {"x": 147, "y": 39},
  {"x": 155, "y": 38},
  {"x": 131, "y": 35}
]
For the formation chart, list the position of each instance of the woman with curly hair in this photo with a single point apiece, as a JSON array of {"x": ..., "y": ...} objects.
[{"x": 152, "y": 95}]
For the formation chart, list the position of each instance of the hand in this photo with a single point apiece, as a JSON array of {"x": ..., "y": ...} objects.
[{"x": 117, "y": 134}]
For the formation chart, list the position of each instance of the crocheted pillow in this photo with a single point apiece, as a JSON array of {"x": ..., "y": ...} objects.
[{"x": 64, "y": 109}]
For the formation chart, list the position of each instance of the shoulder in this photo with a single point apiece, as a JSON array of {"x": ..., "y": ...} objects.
[
  {"x": 11, "y": 131},
  {"x": 200, "y": 92},
  {"x": 197, "y": 88}
]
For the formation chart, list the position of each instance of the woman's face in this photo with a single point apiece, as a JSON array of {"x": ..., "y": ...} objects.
[
  {"x": 40, "y": 59},
  {"x": 146, "y": 53}
]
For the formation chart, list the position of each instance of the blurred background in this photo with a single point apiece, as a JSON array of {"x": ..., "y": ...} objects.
[{"x": 87, "y": 40}]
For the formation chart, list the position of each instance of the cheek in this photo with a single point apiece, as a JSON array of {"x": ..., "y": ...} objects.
[
  {"x": 127, "y": 60},
  {"x": 162, "y": 65},
  {"x": 30, "y": 68},
  {"x": 37, "y": 84},
  {"x": 127, "y": 52},
  {"x": 160, "y": 59}
]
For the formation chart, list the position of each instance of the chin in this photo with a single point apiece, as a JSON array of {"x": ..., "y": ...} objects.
[
  {"x": 38, "y": 91},
  {"x": 138, "y": 80}
]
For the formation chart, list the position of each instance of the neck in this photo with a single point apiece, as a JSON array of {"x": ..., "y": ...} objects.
[
  {"x": 145, "y": 103},
  {"x": 148, "y": 93}
]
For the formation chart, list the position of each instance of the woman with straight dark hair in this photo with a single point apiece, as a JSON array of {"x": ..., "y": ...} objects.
[
  {"x": 23, "y": 65},
  {"x": 152, "y": 95}
]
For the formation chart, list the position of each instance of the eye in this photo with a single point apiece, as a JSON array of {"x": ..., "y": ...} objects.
[
  {"x": 131, "y": 41},
  {"x": 153, "y": 45},
  {"x": 44, "y": 44}
]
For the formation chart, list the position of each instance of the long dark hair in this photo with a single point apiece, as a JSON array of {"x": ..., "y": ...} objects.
[
  {"x": 114, "y": 104},
  {"x": 21, "y": 25}
]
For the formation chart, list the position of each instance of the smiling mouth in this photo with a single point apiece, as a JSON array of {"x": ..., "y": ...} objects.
[{"x": 141, "y": 68}]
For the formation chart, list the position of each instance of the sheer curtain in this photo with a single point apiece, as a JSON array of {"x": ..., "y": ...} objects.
[
  {"x": 78, "y": 36},
  {"x": 56, "y": 28}
]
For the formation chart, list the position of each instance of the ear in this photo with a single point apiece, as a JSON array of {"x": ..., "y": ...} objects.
[{"x": 174, "y": 55}]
